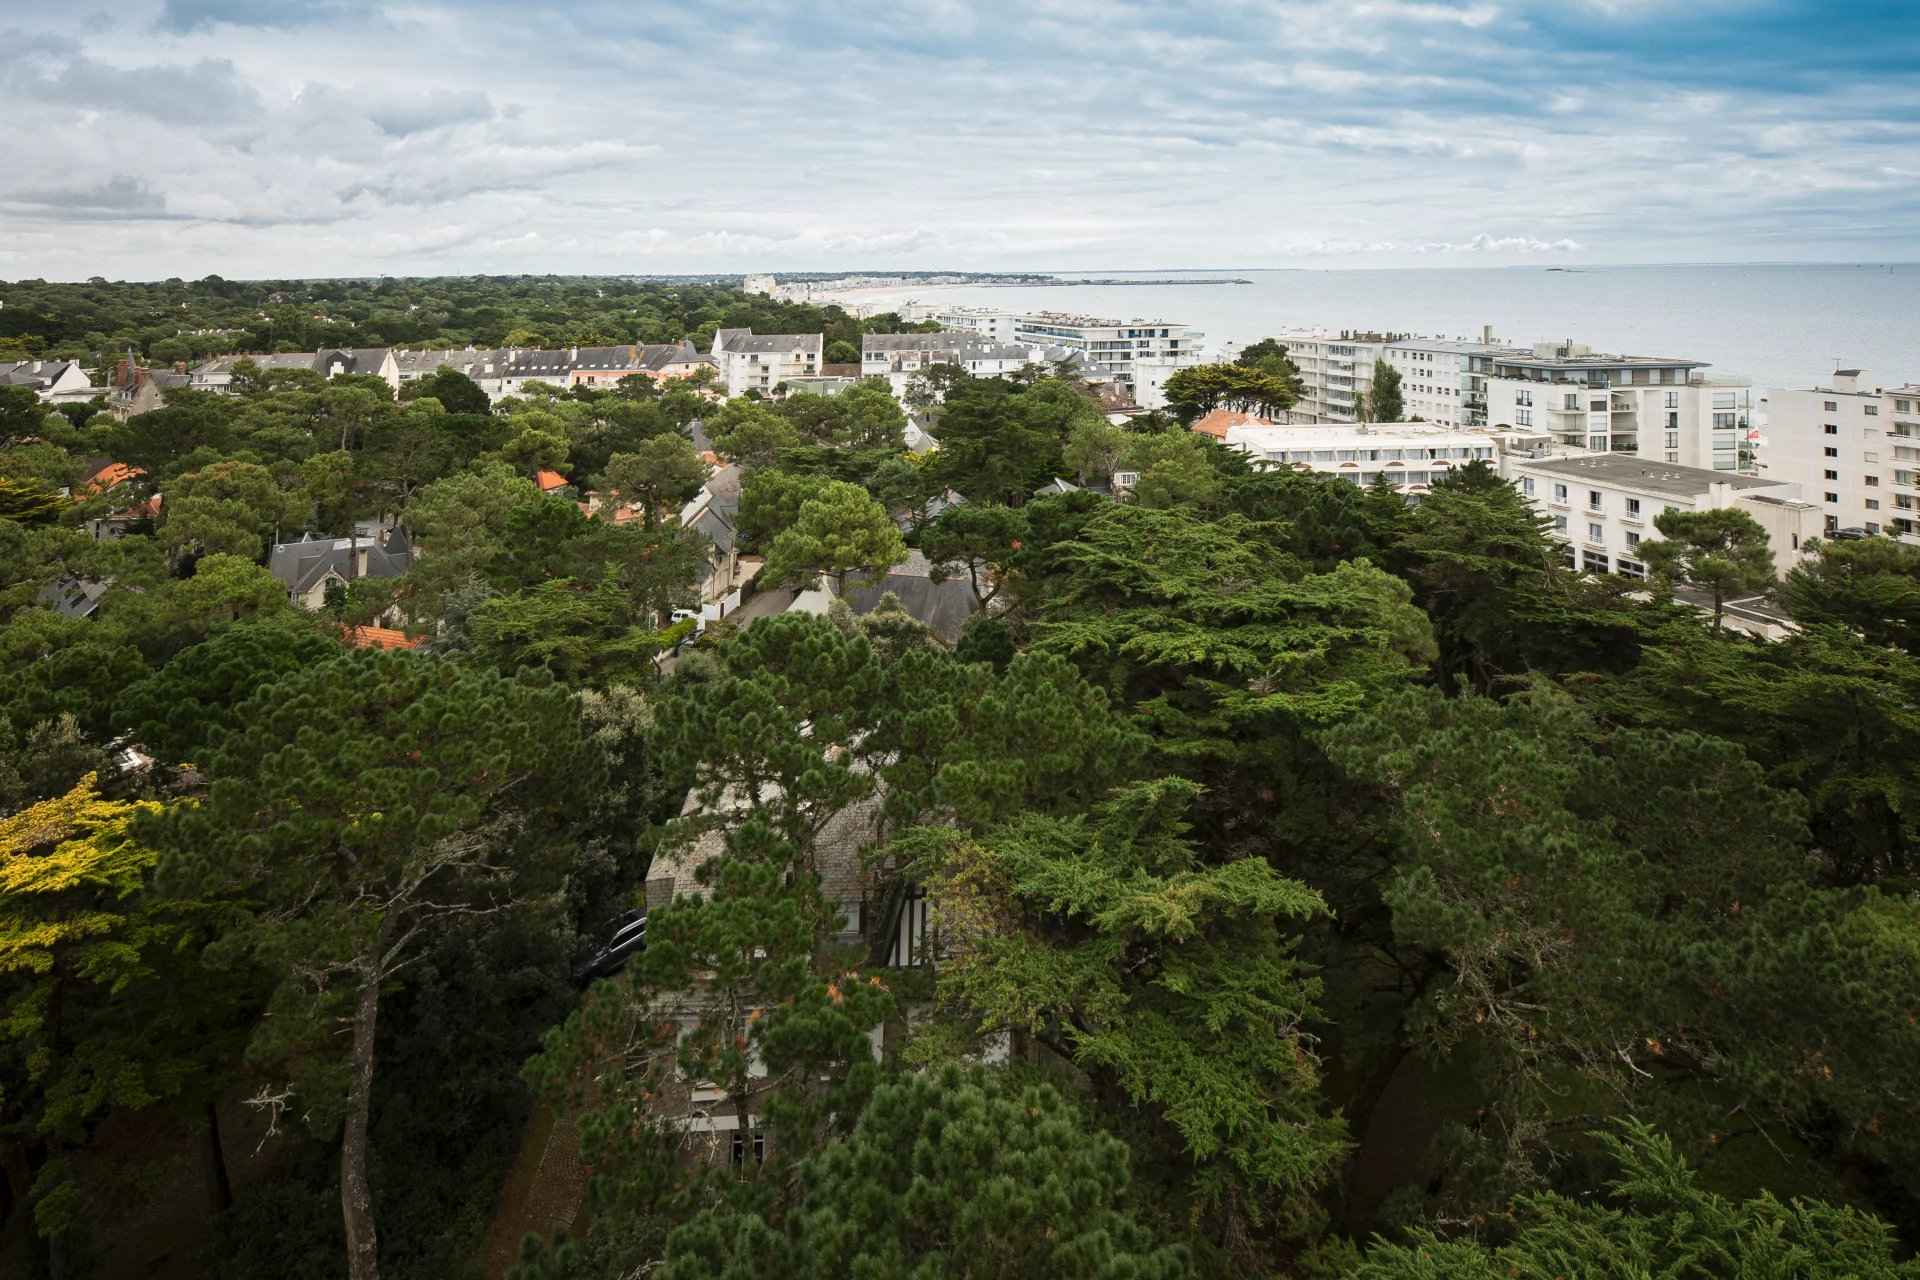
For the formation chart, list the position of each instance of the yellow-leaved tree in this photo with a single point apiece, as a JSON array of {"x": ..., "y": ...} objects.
[{"x": 102, "y": 1006}]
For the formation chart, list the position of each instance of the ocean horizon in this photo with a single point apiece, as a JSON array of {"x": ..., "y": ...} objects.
[{"x": 1772, "y": 324}]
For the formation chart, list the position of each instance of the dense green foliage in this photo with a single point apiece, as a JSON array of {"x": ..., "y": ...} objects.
[{"x": 1273, "y": 878}]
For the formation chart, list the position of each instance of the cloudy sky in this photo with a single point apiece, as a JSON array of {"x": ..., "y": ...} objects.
[{"x": 314, "y": 137}]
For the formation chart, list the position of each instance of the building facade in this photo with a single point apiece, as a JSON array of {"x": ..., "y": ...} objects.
[
  {"x": 1603, "y": 505},
  {"x": 1655, "y": 408},
  {"x": 1336, "y": 368},
  {"x": 762, "y": 362},
  {"x": 1444, "y": 380},
  {"x": 1853, "y": 450},
  {"x": 1411, "y": 456},
  {"x": 1111, "y": 347}
]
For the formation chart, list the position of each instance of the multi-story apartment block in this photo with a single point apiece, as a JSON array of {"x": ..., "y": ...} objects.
[
  {"x": 1444, "y": 380},
  {"x": 1410, "y": 455},
  {"x": 991, "y": 323},
  {"x": 761, "y": 284},
  {"x": 900, "y": 357},
  {"x": 1111, "y": 348},
  {"x": 761, "y": 362},
  {"x": 1603, "y": 505},
  {"x": 1852, "y": 449},
  {"x": 1656, "y": 408},
  {"x": 1336, "y": 368}
]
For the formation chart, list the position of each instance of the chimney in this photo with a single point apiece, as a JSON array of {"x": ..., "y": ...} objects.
[
  {"x": 360, "y": 565},
  {"x": 573, "y": 355}
]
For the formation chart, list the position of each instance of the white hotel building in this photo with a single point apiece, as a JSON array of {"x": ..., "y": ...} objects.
[{"x": 1854, "y": 450}]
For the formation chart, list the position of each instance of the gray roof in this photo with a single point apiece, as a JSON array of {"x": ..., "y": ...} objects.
[
  {"x": 302, "y": 564},
  {"x": 73, "y": 597},
  {"x": 460, "y": 359},
  {"x": 943, "y": 606},
  {"x": 355, "y": 360},
  {"x": 941, "y": 341},
  {"x": 1629, "y": 472},
  {"x": 31, "y": 373},
  {"x": 767, "y": 343},
  {"x": 715, "y": 524}
]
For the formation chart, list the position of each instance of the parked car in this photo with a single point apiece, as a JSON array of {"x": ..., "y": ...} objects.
[{"x": 627, "y": 934}]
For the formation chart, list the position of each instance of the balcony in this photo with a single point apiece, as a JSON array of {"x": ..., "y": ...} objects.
[{"x": 1624, "y": 444}]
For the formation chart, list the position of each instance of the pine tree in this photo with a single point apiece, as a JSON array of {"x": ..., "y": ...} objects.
[{"x": 355, "y": 808}]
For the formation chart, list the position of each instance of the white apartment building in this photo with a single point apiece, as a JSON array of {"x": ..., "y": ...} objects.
[
  {"x": 1854, "y": 450},
  {"x": 1336, "y": 368},
  {"x": 991, "y": 323},
  {"x": 1603, "y": 505},
  {"x": 761, "y": 362},
  {"x": 1111, "y": 347},
  {"x": 1444, "y": 380},
  {"x": 1657, "y": 408},
  {"x": 761, "y": 284},
  {"x": 901, "y": 357},
  {"x": 1411, "y": 455}
]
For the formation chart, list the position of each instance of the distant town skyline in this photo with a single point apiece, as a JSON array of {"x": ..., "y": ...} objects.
[{"x": 251, "y": 138}]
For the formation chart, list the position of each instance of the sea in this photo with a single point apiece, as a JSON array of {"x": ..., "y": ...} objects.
[{"x": 1773, "y": 325}]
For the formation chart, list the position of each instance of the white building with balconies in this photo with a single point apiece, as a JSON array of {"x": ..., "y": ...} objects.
[
  {"x": 1603, "y": 505},
  {"x": 1112, "y": 348},
  {"x": 1410, "y": 456},
  {"x": 1853, "y": 449},
  {"x": 1656, "y": 408},
  {"x": 762, "y": 362}
]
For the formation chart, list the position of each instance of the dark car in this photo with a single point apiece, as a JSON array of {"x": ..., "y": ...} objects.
[{"x": 628, "y": 934}]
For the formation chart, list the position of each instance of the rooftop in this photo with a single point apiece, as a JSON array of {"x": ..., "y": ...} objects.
[
  {"x": 1372, "y": 435},
  {"x": 1628, "y": 472}
]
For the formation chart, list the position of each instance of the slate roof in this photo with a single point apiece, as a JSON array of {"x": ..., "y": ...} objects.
[
  {"x": 302, "y": 564},
  {"x": 73, "y": 597},
  {"x": 32, "y": 373},
  {"x": 943, "y": 606},
  {"x": 770, "y": 343}
]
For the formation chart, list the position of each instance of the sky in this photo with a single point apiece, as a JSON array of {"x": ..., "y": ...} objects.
[{"x": 278, "y": 138}]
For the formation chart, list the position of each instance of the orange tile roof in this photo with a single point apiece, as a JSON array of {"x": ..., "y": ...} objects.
[
  {"x": 379, "y": 638},
  {"x": 1215, "y": 424},
  {"x": 112, "y": 474},
  {"x": 550, "y": 480}
]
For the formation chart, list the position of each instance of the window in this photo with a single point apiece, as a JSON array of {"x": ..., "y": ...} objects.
[
  {"x": 1572, "y": 400},
  {"x": 1630, "y": 568},
  {"x": 1903, "y": 406},
  {"x": 1831, "y": 430},
  {"x": 1673, "y": 439},
  {"x": 1871, "y": 410},
  {"x": 1559, "y": 493},
  {"x": 1673, "y": 455},
  {"x": 1830, "y": 475},
  {"x": 1673, "y": 421},
  {"x": 1633, "y": 508},
  {"x": 1833, "y": 497},
  {"x": 1633, "y": 539},
  {"x": 1526, "y": 485},
  {"x": 1873, "y": 504},
  {"x": 1872, "y": 482},
  {"x": 740, "y": 1148},
  {"x": 1723, "y": 422},
  {"x": 1593, "y": 500},
  {"x": 1593, "y": 562},
  {"x": 1596, "y": 534},
  {"x": 1559, "y": 524},
  {"x": 1832, "y": 406},
  {"x": 1831, "y": 452}
]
